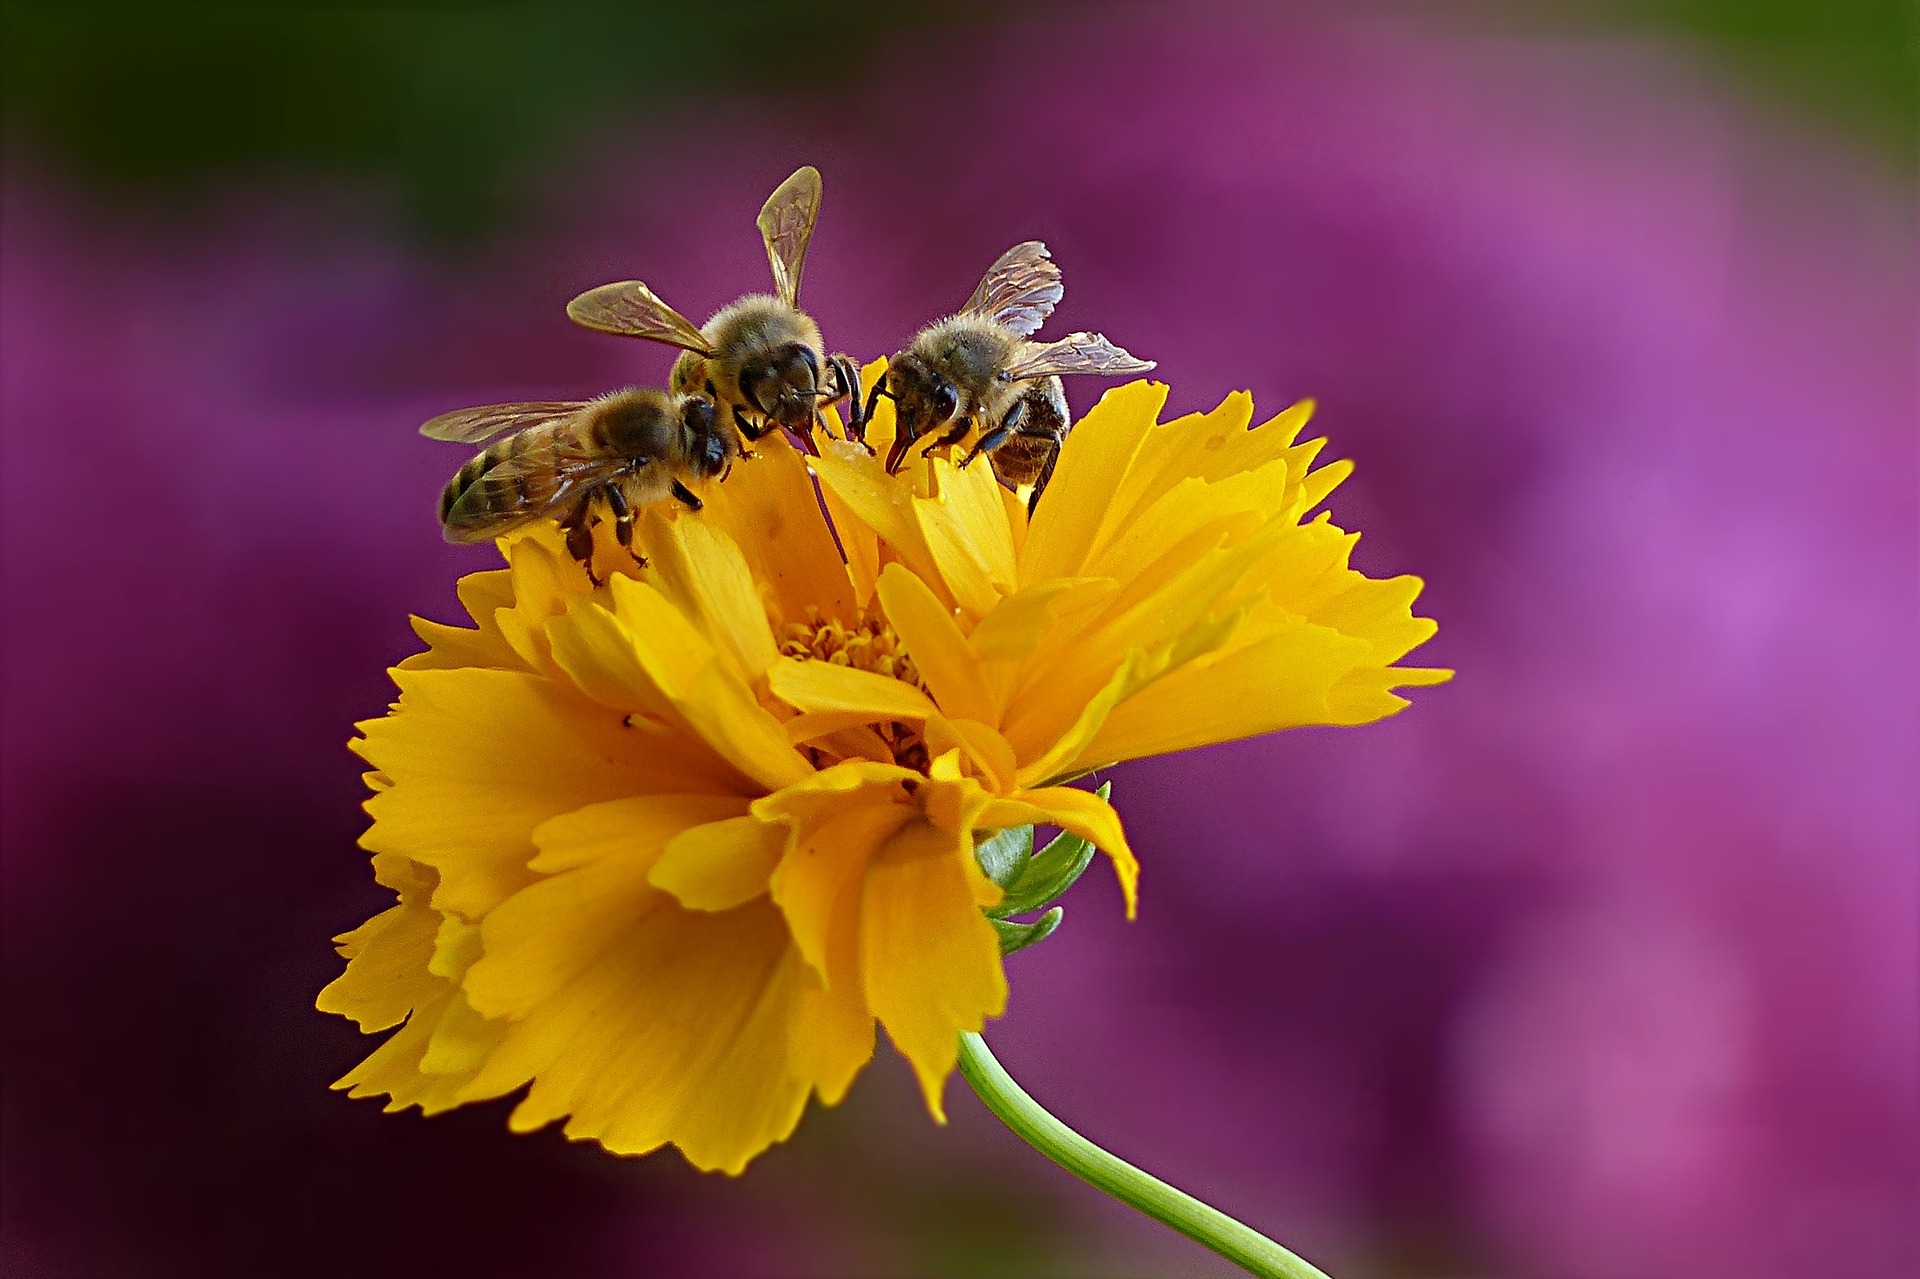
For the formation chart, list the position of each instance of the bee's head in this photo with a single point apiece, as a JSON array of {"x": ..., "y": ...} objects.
[
  {"x": 785, "y": 386},
  {"x": 923, "y": 400},
  {"x": 709, "y": 446}
]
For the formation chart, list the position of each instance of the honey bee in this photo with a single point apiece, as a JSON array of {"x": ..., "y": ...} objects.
[
  {"x": 626, "y": 448},
  {"x": 760, "y": 358},
  {"x": 977, "y": 369}
]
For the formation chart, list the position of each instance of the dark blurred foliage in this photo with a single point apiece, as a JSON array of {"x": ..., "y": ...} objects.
[
  {"x": 1851, "y": 63},
  {"x": 449, "y": 102},
  {"x": 159, "y": 96}
]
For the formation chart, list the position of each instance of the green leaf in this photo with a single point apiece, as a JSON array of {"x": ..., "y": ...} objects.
[
  {"x": 1016, "y": 936},
  {"x": 1048, "y": 873},
  {"x": 1004, "y": 854}
]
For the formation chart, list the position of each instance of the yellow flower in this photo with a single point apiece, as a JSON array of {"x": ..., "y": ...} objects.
[{"x": 666, "y": 850}]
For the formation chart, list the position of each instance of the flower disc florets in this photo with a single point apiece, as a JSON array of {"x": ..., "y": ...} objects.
[
  {"x": 870, "y": 645},
  {"x": 667, "y": 849}
]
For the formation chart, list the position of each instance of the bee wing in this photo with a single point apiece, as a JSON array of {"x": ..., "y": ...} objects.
[
  {"x": 1074, "y": 353},
  {"x": 1020, "y": 290},
  {"x": 549, "y": 473},
  {"x": 631, "y": 309},
  {"x": 470, "y": 426},
  {"x": 786, "y": 224}
]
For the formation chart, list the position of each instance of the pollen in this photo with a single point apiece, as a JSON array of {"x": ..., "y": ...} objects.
[{"x": 869, "y": 644}]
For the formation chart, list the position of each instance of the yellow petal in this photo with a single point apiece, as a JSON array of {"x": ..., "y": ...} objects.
[
  {"x": 848, "y": 694},
  {"x": 450, "y": 647},
  {"x": 397, "y": 1069},
  {"x": 836, "y": 830},
  {"x": 858, "y": 543},
  {"x": 1082, "y": 813},
  {"x": 386, "y": 975},
  {"x": 540, "y": 939},
  {"x": 545, "y": 582},
  {"x": 1069, "y": 745},
  {"x": 640, "y": 825},
  {"x": 740, "y": 729},
  {"x": 1170, "y": 452},
  {"x": 1027, "y": 628},
  {"x": 932, "y": 638},
  {"x": 678, "y": 1030},
  {"x": 647, "y": 645},
  {"x": 965, "y": 529},
  {"x": 669, "y": 648},
  {"x": 459, "y": 1043},
  {"x": 880, "y": 501},
  {"x": 769, "y": 508},
  {"x": 479, "y": 758},
  {"x": 1093, "y": 464},
  {"x": 456, "y": 944},
  {"x": 705, "y": 575},
  {"x": 989, "y": 753},
  {"x": 931, "y": 959},
  {"x": 720, "y": 865},
  {"x": 1177, "y": 608},
  {"x": 1233, "y": 697}
]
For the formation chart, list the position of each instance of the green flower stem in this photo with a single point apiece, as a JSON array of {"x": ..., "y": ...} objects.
[{"x": 1246, "y": 1248}]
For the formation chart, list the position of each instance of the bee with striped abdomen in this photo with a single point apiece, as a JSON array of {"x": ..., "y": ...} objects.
[
  {"x": 976, "y": 369},
  {"x": 626, "y": 449},
  {"x": 761, "y": 358}
]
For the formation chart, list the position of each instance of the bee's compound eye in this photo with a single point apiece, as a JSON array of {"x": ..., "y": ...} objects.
[
  {"x": 946, "y": 402},
  {"x": 713, "y": 451},
  {"x": 698, "y": 414},
  {"x": 812, "y": 362}
]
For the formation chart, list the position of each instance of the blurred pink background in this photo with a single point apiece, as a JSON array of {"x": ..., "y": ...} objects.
[{"x": 1599, "y": 962}]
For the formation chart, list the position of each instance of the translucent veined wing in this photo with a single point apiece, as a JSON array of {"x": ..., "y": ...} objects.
[
  {"x": 1020, "y": 290},
  {"x": 1074, "y": 353},
  {"x": 551, "y": 472},
  {"x": 786, "y": 224},
  {"x": 631, "y": 309},
  {"x": 470, "y": 426}
]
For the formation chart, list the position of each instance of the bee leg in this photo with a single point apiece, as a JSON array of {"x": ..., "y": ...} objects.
[
  {"x": 578, "y": 528},
  {"x": 687, "y": 496},
  {"x": 846, "y": 386},
  {"x": 955, "y": 433},
  {"x": 746, "y": 427},
  {"x": 986, "y": 444},
  {"x": 623, "y": 521},
  {"x": 1040, "y": 484},
  {"x": 1009, "y": 425},
  {"x": 864, "y": 415}
]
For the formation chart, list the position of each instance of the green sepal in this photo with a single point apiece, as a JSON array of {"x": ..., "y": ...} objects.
[
  {"x": 1017, "y": 936},
  {"x": 1004, "y": 854},
  {"x": 1046, "y": 874}
]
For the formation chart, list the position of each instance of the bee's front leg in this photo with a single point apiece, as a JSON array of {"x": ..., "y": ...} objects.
[
  {"x": 687, "y": 496},
  {"x": 1040, "y": 484},
  {"x": 954, "y": 435},
  {"x": 746, "y": 427},
  {"x": 623, "y": 521},
  {"x": 999, "y": 435},
  {"x": 864, "y": 414},
  {"x": 578, "y": 529},
  {"x": 846, "y": 378}
]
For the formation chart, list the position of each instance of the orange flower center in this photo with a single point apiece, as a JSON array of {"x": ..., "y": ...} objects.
[{"x": 869, "y": 644}]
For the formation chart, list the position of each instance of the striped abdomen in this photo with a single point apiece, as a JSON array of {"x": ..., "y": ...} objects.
[{"x": 509, "y": 482}]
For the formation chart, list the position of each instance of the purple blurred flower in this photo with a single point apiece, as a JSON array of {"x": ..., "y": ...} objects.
[{"x": 1599, "y": 962}]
